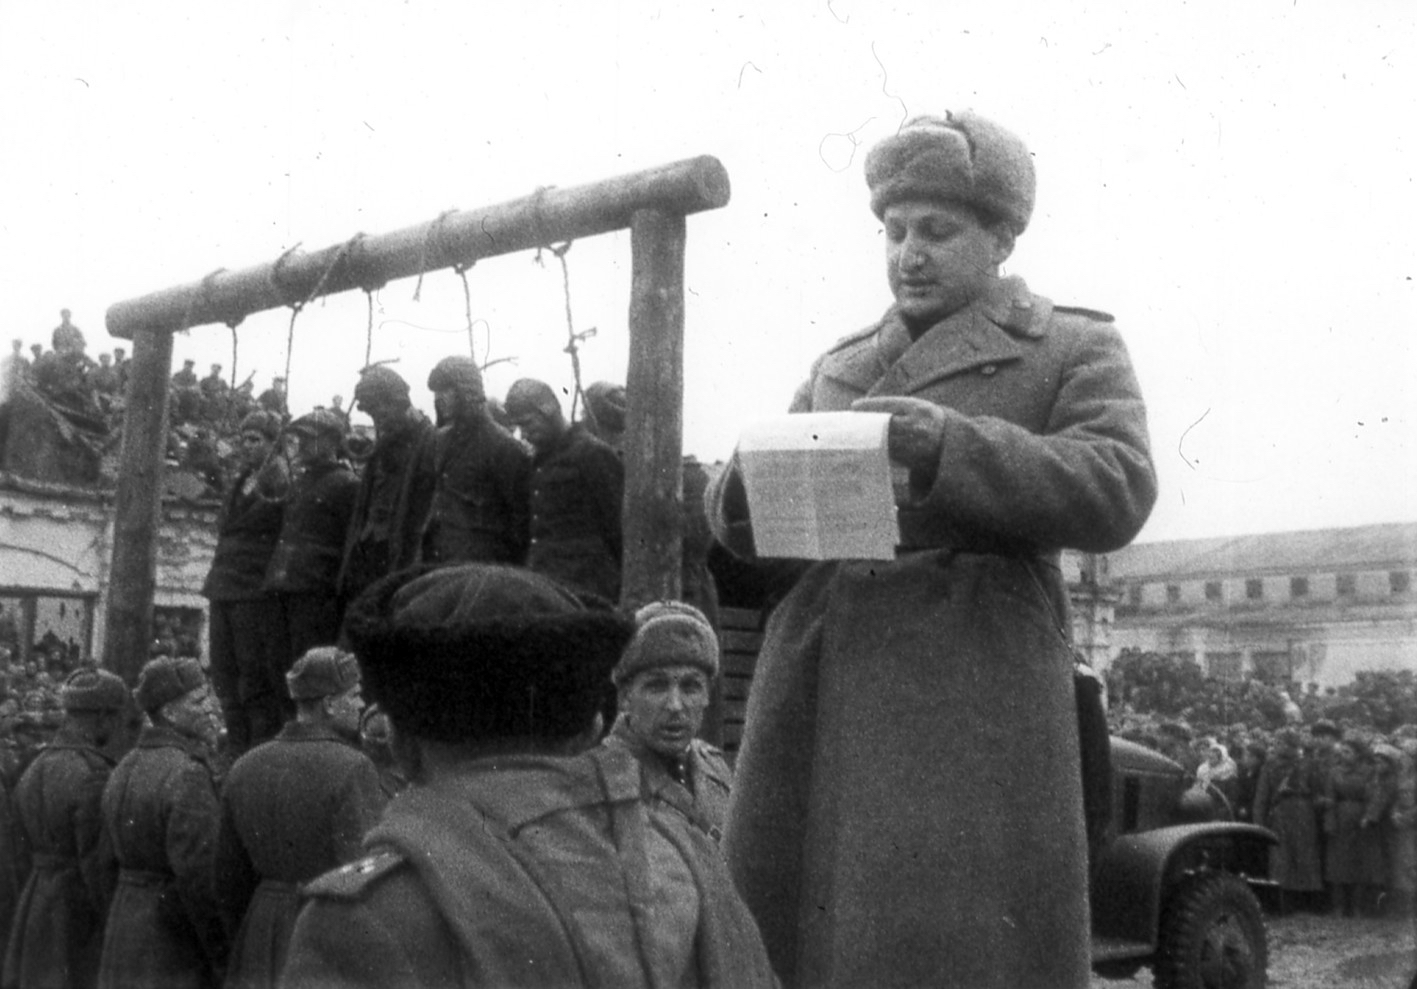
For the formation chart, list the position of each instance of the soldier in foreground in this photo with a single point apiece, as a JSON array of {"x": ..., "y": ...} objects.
[
  {"x": 907, "y": 805},
  {"x": 160, "y": 810},
  {"x": 663, "y": 683},
  {"x": 521, "y": 855},
  {"x": 291, "y": 809},
  {"x": 58, "y": 929}
]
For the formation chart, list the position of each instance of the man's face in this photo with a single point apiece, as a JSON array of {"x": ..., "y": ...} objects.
[
  {"x": 194, "y": 714},
  {"x": 254, "y": 447},
  {"x": 664, "y": 707},
  {"x": 535, "y": 427},
  {"x": 939, "y": 258},
  {"x": 345, "y": 709},
  {"x": 377, "y": 406}
]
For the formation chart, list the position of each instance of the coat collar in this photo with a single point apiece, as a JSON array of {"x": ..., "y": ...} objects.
[{"x": 985, "y": 332}]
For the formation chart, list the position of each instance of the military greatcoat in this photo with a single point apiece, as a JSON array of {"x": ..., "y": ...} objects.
[
  {"x": 907, "y": 805},
  {"x": 702, "y": 793},
  {"x": 577, "y": 486},
  {"x": 292, "y": 809},
  {"x": 160, "y": 811},
  {"x": 528, "y": 871},
  {"x": 58, "y": 930}
]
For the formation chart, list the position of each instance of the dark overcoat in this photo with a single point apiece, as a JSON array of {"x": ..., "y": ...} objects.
[
  {"x": 58, "y": 929},
  {"x": 468, "y": 497},
  {"x": 577, "y": 487},
  {"x": 160, "y": 810},
  {"x": 373, "y": 540},
  {"x": 247, "y": 624},
  {"x": 1284, "y": 802},
  {"x": 907, "y": 805},
  {"x": 527, "y": 872},
  {"x": 292, "y": 809}
]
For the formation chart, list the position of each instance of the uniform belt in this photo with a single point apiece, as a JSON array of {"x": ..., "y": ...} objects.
[{"x": 145, "y": 877}]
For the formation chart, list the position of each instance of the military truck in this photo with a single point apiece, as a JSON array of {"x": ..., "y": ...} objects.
[{"x": 1174, "y": 885}]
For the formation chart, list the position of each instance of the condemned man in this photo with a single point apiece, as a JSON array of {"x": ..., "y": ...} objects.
[
  {"x": 521, "y": 854},
  {"x": 907, "y": 808}
]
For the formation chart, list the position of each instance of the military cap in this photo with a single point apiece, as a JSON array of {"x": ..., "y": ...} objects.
[
  {"x": 529, "y": 395},
  {"x": 265, "y": 423},
  {"x": 607, "y": 403},
  {"x": 668, "y": 633},
  {"x": 378, "y": 380},
  {"x": 166, "y": 679},
  {"x": 480, "y": 651},
  {"x": 1326, "y": 727},
  {"x": 458, "y": 374},
  {"x": 321, "y": 422},
  {"x": 93, "y": 690},
  {"x": 960, "y": 157},
  {"x": 322, "y": 672}
]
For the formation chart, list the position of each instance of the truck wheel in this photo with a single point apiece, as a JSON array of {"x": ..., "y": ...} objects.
[{"x": 1212, "y": 936}]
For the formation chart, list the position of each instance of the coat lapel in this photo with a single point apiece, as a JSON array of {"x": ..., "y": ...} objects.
[{"x": 887, "y": 362}]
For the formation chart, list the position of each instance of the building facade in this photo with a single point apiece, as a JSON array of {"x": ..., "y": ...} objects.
[
  {"x": 56, "y": 546},
  {"x": 1304, "y": 607}
]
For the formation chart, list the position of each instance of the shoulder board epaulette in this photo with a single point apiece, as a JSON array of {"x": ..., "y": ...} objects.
[
  {"x": 349, "y": 882},
  {"x": 851, "y": 338},
  {"x": 1097, "y": 314}
]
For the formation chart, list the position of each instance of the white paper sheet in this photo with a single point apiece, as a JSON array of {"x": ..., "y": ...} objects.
[{"x": 819, "y": 486}]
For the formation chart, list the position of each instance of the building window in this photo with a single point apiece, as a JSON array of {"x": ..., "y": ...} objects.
[
  {"x": 1173, "y": 593},
  {"x": 1399, "y": 581},
  {"x": 1224, "y": 665},
  {"x": 1254, "y": 590},
  {"x": 1134, "y": 595},
  {"x": 1298, "y": 587},
  {"x": 1213, "y": 591},
  {"x": 1273, "y": 667},
  {"x": 1345, "y": 585}
]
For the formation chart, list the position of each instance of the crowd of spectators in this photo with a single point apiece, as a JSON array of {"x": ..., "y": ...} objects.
[{"x": 1333, "y": 773}]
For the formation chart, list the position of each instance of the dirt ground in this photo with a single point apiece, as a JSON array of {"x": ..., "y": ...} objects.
[{"x": 1309, "y": 952}]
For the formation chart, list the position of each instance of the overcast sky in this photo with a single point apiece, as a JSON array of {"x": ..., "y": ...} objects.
[{"x": 1235, "y": 182}]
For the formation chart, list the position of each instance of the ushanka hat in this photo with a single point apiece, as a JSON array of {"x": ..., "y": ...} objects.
[
  {"x": 166, "y": 679},
  {"x": 376, "y": 381},
  {"x": 322, "y": 672},
  {"x": 93, "y": 690},
  {"x": 479, "y": 652},
  {"x": 960, "y": 158}
]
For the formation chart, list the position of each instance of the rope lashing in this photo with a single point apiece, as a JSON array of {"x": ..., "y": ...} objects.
[
  {"x": 434, "y": 231},
  {"x": 296, "y": 307},
  {"x": 573, "y": 339}
]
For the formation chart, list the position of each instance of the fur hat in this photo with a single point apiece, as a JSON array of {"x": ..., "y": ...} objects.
[
  {"x": 265, "y": 423},
  {"x": 459, "y": 374},
  {"x": 166, "y": 679},
  {"x": 668, "y": 633},
  {"x": 378, "y": 380},
  {"x": 93, "y": 690},
  {"x": 320, "y": 422},
  {"x": 479, "y": 652},
  {"x": 960, "y": 157},
  {"x": 322, "y": 672},
  {"x": 530, "y": 395},
  {"x": 608, "y": 404}
]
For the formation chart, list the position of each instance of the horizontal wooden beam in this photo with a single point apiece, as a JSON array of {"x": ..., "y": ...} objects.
[{"x": 459, "y": 237}]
